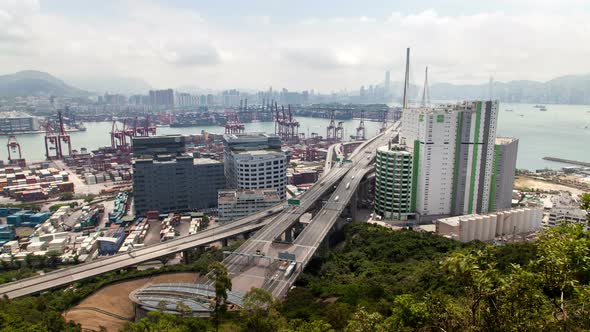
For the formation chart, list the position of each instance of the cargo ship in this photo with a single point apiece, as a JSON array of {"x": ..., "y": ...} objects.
[{"x": 191, "y": 123}]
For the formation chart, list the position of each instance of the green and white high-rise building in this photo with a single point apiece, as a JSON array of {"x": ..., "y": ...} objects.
[
  {"x": 453, "y": 153},
  {"x": 393, "y": 182}
]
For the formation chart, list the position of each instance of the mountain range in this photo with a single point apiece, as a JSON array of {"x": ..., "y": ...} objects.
[
  {"x": 571, "y": 89},
  {"x": 36, "y": 83}
]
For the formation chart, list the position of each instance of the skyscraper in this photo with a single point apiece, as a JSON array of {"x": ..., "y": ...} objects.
[
  {"x": 393, "y": 183},
  {"x": 162, "y": 97},
  {"x": 387, "y": 84},
  {"x": 455, "y": 160},
  {"x": 502, "y": 184}
]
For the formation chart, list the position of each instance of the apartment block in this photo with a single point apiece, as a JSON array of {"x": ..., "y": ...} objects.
[{"x": 458, "y": 166}]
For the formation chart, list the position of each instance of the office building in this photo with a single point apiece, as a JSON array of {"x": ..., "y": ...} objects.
[
  {"x": 502, "y": 184},
  {"x": 152, "y": 146},
  {"x": 255, "y": 161},
  {"x": 176, "y": 183},
  {"x": 165, "y": 179},
  {"x": 393, "y": 183},
  {"x": 236, "y": 204},
  {"x": 457, "y": 166}
]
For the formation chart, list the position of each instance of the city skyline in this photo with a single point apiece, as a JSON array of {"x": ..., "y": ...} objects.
[{"x": 324, "y": 47}]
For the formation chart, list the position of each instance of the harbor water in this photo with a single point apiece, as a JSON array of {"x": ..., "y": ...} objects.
[{"x": 562, "y": 131}]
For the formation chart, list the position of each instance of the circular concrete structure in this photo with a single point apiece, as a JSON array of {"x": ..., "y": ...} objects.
[{"x": 197, "y": 298}]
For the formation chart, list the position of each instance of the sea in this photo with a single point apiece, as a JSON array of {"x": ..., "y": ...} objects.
[{"x": 563, "y": 131}]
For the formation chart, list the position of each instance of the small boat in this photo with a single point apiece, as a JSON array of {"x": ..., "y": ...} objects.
[
  {"x": 509, "y": 110},
  {"x": 542, "y": 109},
  {"x": 521, "y": 115},
  {"x": 538, "y": 106}
]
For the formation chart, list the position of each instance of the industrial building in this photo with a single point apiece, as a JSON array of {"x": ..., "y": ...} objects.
[
  {"x": 458, "y": 167},
  {"x": 236, "y": 204},
  {"x": 13, "y": 122},
  {"x": 486, "y": 227},
  {"x": 255, "y": 161},
  {"x": 176, "y": 183}
]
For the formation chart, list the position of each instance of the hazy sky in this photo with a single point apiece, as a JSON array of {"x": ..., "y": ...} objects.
[{"x": 323, "y": 44}]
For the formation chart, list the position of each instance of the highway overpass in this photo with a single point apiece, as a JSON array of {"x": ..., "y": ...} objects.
[
  {"x": 255, "y": 263},
  {"x": 279, "y": 217}
]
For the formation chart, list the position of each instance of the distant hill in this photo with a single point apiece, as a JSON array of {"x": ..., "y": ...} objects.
[
  {"x": 112, "y": 84},
  {"x": 36, "y": 83},
  {"x": 571, "y": 89}
]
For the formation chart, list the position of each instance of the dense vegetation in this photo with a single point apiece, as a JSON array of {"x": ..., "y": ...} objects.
[
  {"x": 382, "y": 280},
  {"x": 376, "y": 279},
  {"x": 43, "y": 312}
]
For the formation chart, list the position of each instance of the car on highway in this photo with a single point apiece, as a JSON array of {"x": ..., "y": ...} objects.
[
  {"x": 347, "y": 185},
  {"x": 336, "y": 199}
]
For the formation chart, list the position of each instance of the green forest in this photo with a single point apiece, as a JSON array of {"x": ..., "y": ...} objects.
[{"x": 376, "y": 279}]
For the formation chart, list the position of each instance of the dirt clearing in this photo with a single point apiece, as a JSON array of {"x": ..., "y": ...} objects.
[
  {"x": 527, "y": 182},
  {"x": 110, "y": 306}
]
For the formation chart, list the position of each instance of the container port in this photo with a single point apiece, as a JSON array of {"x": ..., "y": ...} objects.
[{"x": 121, "y": 206}]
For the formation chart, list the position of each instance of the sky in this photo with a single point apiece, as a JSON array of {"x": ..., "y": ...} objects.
[{"x": 326, "y": 45}]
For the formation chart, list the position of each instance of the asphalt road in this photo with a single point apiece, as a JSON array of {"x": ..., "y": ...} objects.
[
  {"x": 279, "y": 224},
  {"x": 252, "y": 271}
]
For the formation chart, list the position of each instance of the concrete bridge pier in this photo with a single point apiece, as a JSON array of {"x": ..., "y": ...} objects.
[
  {"x": 289, "y": 235},
  {"x": 324, "y": 247},
  {"x": 298, "y": 228},
  {"x": 364, "y": 188},
  {"x": 186, "y": 257},
  {"x": 225, "y": 242},
  {"x": 353, "y": 206}
]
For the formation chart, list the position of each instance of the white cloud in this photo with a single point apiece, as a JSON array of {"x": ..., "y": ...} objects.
[
  {"x": 16, "y": 34},
  {"x": 172, "y": 47}
]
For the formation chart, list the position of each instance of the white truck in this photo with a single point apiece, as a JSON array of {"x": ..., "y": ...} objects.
[{"x": 290, "y": 269}]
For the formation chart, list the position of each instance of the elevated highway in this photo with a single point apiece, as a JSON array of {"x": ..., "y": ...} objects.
[
  {"x": 254, "y": 264},
  {"x": 279, "y": 217}
]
